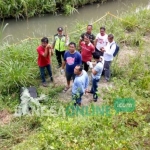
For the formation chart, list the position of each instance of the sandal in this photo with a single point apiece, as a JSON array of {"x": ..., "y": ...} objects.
[
  {"x": 66, "y": 89},
  {"x": 88, "y": 91}
]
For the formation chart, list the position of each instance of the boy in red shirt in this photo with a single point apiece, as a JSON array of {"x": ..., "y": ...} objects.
[
  {"x": 44, "y": 53},
  {"x": 87, "y": 50}
]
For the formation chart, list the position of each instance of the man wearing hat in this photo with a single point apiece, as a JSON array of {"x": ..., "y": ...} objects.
[{"x": 60, "y": 43}]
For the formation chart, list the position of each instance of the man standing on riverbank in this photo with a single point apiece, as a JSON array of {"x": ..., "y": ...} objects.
[
  {"x": 60, "y": 43},
  {"x": 88, "y": 32},
  {"x": 44, "y": 53},
  {"x": 101, "y": 41},
  {"x": 96, "y": 75},
  {"x": 71, "y": 59},
  {"x": 80, "y": 84},
  {"x": 108, "y": 56},
  {"x": 87, "y": 49}
]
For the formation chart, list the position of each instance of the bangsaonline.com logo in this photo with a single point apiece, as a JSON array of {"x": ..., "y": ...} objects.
[{"x": 119, "y": 105}]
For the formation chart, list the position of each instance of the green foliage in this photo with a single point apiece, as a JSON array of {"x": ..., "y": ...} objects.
[
  {"x": 18, "y": 130},
  {"x": 28, "y": 8},
  {"x": 87, "y": 132},
  {"x": 121, "y": 131},
  {"x": 18, "y": 66}
]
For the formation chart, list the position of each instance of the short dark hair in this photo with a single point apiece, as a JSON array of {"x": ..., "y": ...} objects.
[
  {"x": 96, "y": 56},
  {"x": 103, "y": 28},
  {"x": 44, "y": 39},
  {"x": 80, "y": 67},
  {"x": 111, "y": 36},
  {"x": 90, "y": 25},
  {"x": 72, "y": 43}
]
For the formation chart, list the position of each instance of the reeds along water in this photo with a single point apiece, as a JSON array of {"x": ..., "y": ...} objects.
[{"x": 28, "y": 8}]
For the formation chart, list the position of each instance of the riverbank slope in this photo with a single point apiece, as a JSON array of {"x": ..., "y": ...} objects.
[{"x": 130, "y": 80}]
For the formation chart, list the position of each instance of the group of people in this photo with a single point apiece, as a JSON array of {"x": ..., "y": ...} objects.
[{"x": 76, "y": 63}]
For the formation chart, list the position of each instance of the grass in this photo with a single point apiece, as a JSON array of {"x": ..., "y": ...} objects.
[
  {"x": 128, "y": 131},
  {"x": 28, "y": 8}
]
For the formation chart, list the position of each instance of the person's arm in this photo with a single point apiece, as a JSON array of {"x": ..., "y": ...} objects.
[
  {"x": 86, "y": 82},
  {"x": 63, "y": 65},
  {"x": 51, "y": 51},
  {"x": 93, "y": 49},
  {"x": 47, "y": 50},
  {"x": 79, "y": 58},
  {"x": 67, "y": 40},
  {"x": 80, "y": 44},
  {"x": 94, "y": 72},
  {"x": 110, "y": 51},
  {"x": 64, "y": 62}
]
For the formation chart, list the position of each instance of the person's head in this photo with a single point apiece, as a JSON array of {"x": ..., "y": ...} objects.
[
  {"x": 110, "y": 38},
  {"x": 60, "y": 30},
  {"x": 44, "y": 41},
  {"x": 102, "y": 31},
  {"x": 89, "y": 29},
  {"x": 78, "y": 70},
  {"x": 86, "y": 39},
  {"x": 72, "y": 47},
  {"x": 96, "y": 56}
]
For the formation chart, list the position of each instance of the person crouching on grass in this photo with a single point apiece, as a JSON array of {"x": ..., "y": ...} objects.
[
  {"x": 96, "y": 75},
  {"x": 80, "y": 84},
  {"x": 44, "y": 53}
]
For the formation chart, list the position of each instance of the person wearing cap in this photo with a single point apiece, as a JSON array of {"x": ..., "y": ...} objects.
[
  {"x": 96, "y": 75},
  {"x": 88, "y": 32},
  {"x": 60, "y": 43},
  {"x": 87, "y": 50},
  {"x": 44, "y": 53}
]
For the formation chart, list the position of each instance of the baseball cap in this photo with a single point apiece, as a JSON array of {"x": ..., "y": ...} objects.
[{"x": 60, "y": 29}]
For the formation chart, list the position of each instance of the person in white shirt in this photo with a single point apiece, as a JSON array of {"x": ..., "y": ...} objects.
[
  {"x": 108, "y": 50},
  {"x": 101, "y": 41}
]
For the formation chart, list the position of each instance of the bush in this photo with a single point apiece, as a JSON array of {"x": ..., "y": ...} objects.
[{"x": 18, "y": 66}]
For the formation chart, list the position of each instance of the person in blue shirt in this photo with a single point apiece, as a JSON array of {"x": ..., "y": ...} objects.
[
  {"x": 80, "y": 84},
  {"x": 96, "y": 75},
  {"x": 71, "y": 59}
]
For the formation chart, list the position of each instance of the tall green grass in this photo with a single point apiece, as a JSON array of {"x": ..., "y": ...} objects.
[
  {"x": 28, "y": 8},
  {"x": 18, "y": 66},
  {"x": 130, "y": 80}
]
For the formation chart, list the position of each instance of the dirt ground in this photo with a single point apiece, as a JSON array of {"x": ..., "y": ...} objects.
[
  {"x": 87, "y": 98},
  {"x": 5, "y": 117},
  {"x": 123, "y": 59}
]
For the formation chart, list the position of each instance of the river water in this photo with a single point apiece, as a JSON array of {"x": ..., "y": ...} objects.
[{"x": 47, "y": 25}]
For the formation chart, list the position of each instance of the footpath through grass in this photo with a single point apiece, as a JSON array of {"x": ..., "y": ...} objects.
[{"x": 131, "y": 79}]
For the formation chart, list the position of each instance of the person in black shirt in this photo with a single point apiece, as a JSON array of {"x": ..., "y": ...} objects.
[{"x": 89, "y": 33}]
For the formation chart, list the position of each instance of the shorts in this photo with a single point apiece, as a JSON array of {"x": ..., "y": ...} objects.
[{"x": 70, "y": 76}]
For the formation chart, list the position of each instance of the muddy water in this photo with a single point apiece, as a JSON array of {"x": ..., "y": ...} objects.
[{"x": 46, "y": 25}]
